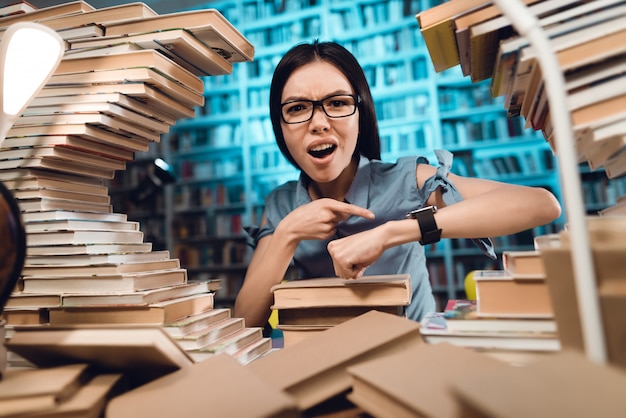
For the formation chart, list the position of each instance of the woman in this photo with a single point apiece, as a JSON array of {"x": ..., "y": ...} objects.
[{"x": 346, "y": 216}]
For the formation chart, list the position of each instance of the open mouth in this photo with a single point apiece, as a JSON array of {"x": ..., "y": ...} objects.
[{"x": 322, "y": 151}]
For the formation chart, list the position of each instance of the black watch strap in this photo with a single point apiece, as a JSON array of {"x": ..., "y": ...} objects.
[{"x": 428, "y": 226}]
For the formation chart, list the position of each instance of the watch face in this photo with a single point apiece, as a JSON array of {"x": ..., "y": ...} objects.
[{"x": 413, "y": 213}]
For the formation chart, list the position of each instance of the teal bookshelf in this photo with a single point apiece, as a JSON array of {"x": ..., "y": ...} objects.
[{"x": 226, "y": 161}]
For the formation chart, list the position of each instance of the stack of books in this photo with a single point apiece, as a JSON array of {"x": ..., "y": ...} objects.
[
  {"x": 306, "y": 307},
  {"x": 513, "y": 310},
  {"x": 128, "y": 74},
  {"x": 450, "y": 381},
  {"x": 587, "y": 38},
  {"x": 68, "y": 390},
  {"x": 606, "y": 238}
]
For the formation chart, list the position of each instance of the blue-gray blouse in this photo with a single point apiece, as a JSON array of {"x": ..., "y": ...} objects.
[{"x": 390, "y": 191}]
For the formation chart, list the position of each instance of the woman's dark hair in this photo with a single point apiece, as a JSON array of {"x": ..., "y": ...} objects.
[{"x": 368, "y": 141}]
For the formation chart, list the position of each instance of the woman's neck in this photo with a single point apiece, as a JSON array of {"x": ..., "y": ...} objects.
[{"x": 336, "y": 189}]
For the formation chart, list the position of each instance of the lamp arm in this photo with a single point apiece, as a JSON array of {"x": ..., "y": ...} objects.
[{"x": 528, "y": 25}]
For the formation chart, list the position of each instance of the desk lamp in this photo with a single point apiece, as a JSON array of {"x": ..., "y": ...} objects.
[{"x": 29, "y": 54}]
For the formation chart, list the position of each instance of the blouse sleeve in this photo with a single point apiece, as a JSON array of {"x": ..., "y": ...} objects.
[{"x": 450, "y": 193}]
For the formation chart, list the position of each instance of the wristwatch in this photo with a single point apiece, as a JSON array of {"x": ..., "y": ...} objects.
[{"x": 428, "y": 226}]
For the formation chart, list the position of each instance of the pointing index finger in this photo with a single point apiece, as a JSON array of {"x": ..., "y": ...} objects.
[{"x": 351, "y": 209}]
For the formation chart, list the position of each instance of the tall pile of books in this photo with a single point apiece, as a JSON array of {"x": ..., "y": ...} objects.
[
  {"x": 587, "y": 38},
  {"x": 127, "y": 75}
]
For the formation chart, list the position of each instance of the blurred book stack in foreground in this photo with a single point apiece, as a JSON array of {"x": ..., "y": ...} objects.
[{"x": 113, "y": 94}]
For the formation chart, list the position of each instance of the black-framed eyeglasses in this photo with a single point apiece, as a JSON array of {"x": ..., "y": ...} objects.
[{"x": 334, "y": 106}]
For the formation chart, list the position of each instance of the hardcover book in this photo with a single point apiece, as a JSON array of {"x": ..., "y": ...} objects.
[
  {"x": 30, "y": 391},
  {"x": 415, "y": 382},
  {"x": 184, "y": 393},
  {"x": 386, "y": 290},
  {"x": 157, "y": 313},
  {"x": 208, "y": 25},
  {"x": 500, "y": 293},
  {"x": 129, "y": 348},
  {"x": 462, "y": 316},
  {"x": 316, "y": 371}
]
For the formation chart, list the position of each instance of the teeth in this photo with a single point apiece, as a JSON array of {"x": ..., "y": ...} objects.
[{"x": 321, "y": 147}]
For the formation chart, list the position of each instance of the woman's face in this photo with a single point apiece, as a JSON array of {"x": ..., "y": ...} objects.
[{"x": 322, "y": 146}]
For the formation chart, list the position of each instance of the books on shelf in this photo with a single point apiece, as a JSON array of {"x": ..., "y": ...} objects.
[{"x": 207, "y": 25}]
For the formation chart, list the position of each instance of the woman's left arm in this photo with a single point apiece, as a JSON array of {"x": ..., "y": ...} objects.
[{"x": 488, "y": 209}]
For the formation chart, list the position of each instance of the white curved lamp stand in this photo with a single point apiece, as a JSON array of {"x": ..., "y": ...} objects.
[{"x": 526, "y": 24}]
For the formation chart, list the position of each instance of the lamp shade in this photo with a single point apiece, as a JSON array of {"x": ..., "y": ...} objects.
[{"x": 29, "y": 54}]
